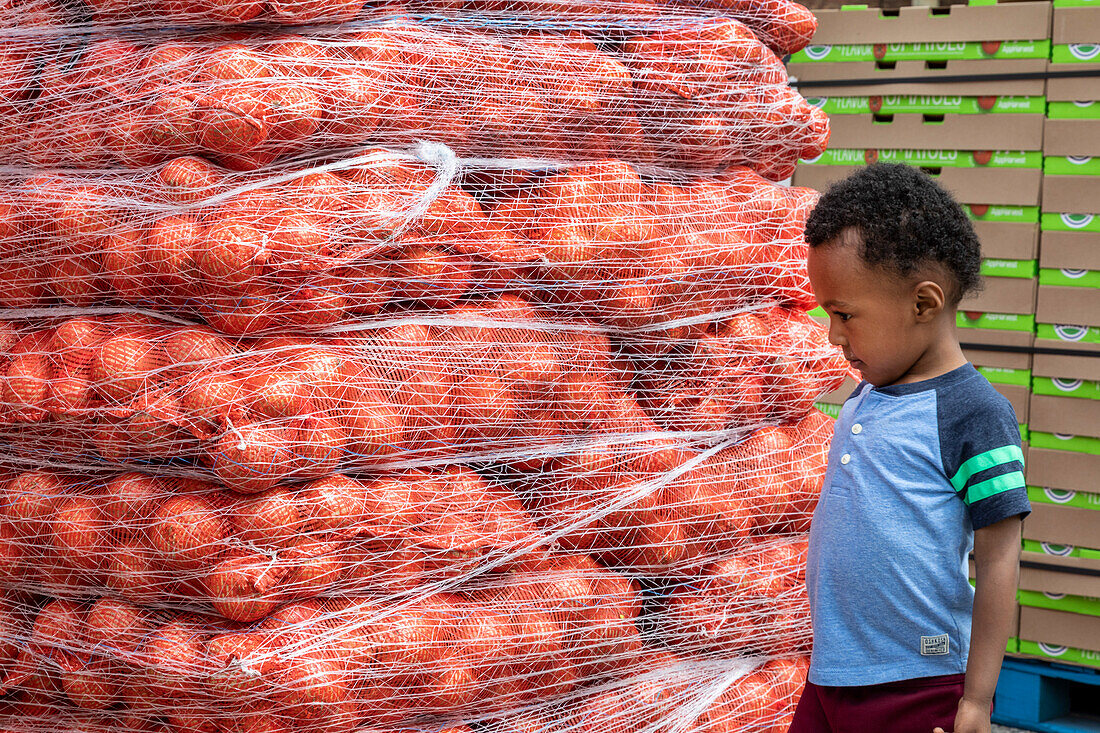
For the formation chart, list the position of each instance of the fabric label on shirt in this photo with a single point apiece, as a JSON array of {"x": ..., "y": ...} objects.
[{"x": 931, "y": 646}]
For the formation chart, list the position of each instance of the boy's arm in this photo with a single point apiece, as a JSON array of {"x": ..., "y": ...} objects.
[{"x": 996, "y": 572}]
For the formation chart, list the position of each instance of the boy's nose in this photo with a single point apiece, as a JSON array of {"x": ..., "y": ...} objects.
[{"x": 836, "y": 337}]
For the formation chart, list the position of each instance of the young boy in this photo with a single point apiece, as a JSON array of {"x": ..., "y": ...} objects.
[{"x": 925, "y": 464}]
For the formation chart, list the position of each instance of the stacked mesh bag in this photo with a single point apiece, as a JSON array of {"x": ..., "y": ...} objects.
[{"x": 434, "y": 367}]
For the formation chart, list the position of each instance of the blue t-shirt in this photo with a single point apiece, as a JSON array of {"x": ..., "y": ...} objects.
[{"x": 913, "y": 470}]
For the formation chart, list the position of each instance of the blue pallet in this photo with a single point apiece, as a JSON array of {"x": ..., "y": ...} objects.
[{"x": 1048, "y": 698}]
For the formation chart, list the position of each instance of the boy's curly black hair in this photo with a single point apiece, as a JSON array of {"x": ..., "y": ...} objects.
[{"x": 905, "y": 220}]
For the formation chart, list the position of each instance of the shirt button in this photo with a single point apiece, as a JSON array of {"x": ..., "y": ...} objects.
[
  {"x": 857, "y": 429},
  {"x": 845, "y": 459}
]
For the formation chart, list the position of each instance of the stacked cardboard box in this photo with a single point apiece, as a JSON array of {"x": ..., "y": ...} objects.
[
  {"x": 1060, "y": 578},
  {"x": 919, "y": 86},
  {"x": 1069, "y": 280},
  {"x": 1059, "y": 590}
]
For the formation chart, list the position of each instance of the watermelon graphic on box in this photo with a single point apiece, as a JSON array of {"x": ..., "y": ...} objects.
[{"x": 1066, "y": 222}]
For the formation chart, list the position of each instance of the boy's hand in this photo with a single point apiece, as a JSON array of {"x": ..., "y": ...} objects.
[{"x": 971, "y": 718}]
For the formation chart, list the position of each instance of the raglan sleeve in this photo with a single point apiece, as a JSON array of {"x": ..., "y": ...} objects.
[{"x": 984, "y": 462}]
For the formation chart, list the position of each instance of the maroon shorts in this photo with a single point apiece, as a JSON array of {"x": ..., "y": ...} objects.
[{"x": 909, "y": 706}]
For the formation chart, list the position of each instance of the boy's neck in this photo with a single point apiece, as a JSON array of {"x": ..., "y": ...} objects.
[{"x": 942, "y": 355}]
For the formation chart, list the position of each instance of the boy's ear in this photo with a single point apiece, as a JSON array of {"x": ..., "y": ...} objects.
[{"x": 928, "y": 300}]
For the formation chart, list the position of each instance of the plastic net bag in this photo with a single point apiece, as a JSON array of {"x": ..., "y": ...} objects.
[{"x": 439, "y": 367}]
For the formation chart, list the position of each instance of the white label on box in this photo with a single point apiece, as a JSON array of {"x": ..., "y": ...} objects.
[
  {"x": 1056, "y": 550},
  {"x": 1052, "y": 650},
  {"x": 1071, "y": 333},
  {"x": 1067, "y": 385},
  {"x": 1084, "y": 51},
  {"x": 1060, "y": 496},
  {"x": 1076, "y": 221},
  {"x": 817, "y": 52}
]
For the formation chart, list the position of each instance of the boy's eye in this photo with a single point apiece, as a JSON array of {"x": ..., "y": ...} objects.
[{"x": 843, "y": 316}]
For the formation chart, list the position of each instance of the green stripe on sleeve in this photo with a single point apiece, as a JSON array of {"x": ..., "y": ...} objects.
[
  {"x": 984, "y": 462},
  {"x": 995, "y": 485}
]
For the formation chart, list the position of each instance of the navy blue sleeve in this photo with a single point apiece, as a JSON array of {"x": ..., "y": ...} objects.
[{"x": 981, "y": 453}]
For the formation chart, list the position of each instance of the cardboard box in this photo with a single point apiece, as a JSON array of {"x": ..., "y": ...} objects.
[
  {"x": 1085, "y": 339},
  {"x": 1049, "y": 573},
  {"x": 974, "y": 50},
  {"x": 1062, "y": 525},
  {"x": 1071, "y": 137},
  {"x": 834, "y": 80},
  {"x": 1010, "y": 361},
  {"x": 1060, "y": 496},
  {"x": 1066, "y": 366},
  {"x": 1019, "y": 21},
  {"x": 937, "y": 132},
  {"x": 1059, "y": 601},
  {"x": 1073, "y": 194},
  {"x": 931, "y": 104},
  {"x": 1079, "y": 250},
  {"x": 1008, "y": 240},
  {"x": 1065, "y": 470},
  {"x": 976, "y": 329},
  {"x": 1067, "y": 415},
  {"x": 1004, "y": 295},
  {"x": 1075, "y": 25},
  {"x": 1079, "y": 306},
  {"x": 1020, "y": 397},
  {"x": 1074, "y": 88},
  {"x": 1000, "y": 186},
  {"x": 1061, "y": 629}
]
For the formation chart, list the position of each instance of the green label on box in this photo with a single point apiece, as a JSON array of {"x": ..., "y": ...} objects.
[
  {"x": 996, "y": 321},
  {"x": 1067, "y": 498},
  {"x": 1075, "y": 53},
  {"x": 946, "y": 51},
  {"x": 1059, "y": 222},
  {"x": 1064, "y": 441},
  {"x": 914, "y": 104},
  {"x": 1048, "y": 548},
  {"x": 1070, "y": 278},
  {"x": 1073, "y": 110},
  {"x": 932, "y": 158},
  {"x": 1059, "y": 602},
  {"x": 1065, "y": 654},
  {"x": 1000, "y": 375},
  {"x": 984, "y": 212},
  {"x": 1056, "y": 387},
  {"x": 832, "y": 411},
  {"x": 1076, "y": 3},
  {"x": 1010, "y": 268},
  {"x": 1068, "y": 333},
  {"x": 1071, "y": 165},
  {"x": 817, "y": 312}
]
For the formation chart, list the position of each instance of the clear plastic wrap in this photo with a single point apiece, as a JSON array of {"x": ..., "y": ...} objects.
[
  {"x": 439, "y": 368},
  {"x": 700, "y": 93}
]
